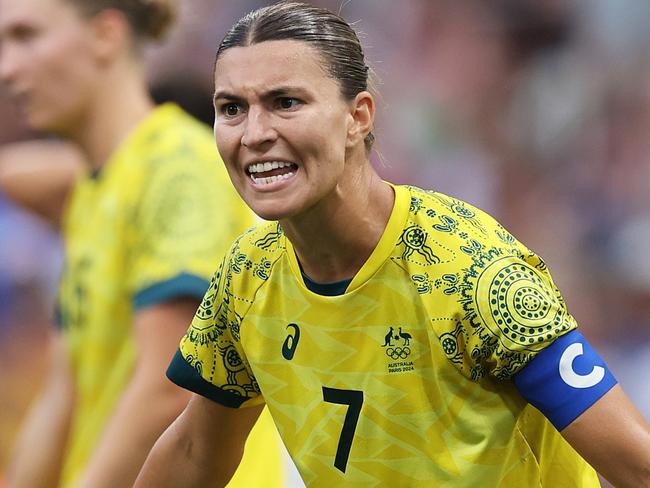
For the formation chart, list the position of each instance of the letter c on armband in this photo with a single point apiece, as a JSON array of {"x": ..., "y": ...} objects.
[{"x": 568, "y": 374}]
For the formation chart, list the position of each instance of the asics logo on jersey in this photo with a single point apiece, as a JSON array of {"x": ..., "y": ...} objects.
[
  {"x": 291, "y": 342},
  {"x": 568, "y": 374}
]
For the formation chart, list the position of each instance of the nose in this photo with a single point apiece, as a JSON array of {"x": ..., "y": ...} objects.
[
  {"x": 259, "y": 129},
  {"x": 8, "y": 64}
]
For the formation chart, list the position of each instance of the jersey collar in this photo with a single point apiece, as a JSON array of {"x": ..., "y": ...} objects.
[{"x": 383, "y": 249}]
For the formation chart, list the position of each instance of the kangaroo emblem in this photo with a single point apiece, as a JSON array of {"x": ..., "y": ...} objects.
[{"x": 389, "y": 336}]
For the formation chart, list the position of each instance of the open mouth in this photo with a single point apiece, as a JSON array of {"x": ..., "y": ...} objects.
[{"x": 271, "y": 171}]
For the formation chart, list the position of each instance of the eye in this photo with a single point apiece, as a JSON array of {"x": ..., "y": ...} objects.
[
  {"x": 23, "y": 33},
  {"x": 230, "y": 109},
  {"x": 287, "y": 103}
]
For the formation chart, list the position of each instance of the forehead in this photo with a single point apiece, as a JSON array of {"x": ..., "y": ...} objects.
[
  {"x": 34, "y": 12},
  {"x": 271, "y": 63}
]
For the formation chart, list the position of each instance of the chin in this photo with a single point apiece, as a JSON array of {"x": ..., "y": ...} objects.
[
  {"x": 264, "y": 206},
  {"x": 42, "y": 123},
  {"x": 268, "y": 214},
  {"x": 52, "y": 120},
  {"x": 271, "y": 211}
]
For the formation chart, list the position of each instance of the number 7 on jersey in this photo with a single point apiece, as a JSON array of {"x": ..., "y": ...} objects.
[{"x": 354, "y": 400}]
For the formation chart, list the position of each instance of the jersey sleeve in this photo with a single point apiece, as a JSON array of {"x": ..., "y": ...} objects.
[
  {"x": 211, "y": 360},
  {"x": 509, "y": 309},
  {"x": 513, "y": 310},
  {"x": 186, "y": 219}
]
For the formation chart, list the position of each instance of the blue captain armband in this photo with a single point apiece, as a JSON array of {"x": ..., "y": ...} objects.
[{"x": 565, "y": 379}]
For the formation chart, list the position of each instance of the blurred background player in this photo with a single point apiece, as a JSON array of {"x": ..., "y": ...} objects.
[
  {"x": 396, "y": 335},
  {"x": 145, "y": 208}
]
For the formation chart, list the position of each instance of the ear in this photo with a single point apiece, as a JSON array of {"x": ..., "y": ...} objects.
[
  {"x": 111, "y": 34},
  {"x": 362, "y": 118}
]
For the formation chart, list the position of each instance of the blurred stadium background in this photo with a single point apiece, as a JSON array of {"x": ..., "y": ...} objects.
[{"x": 537, "y": 111}]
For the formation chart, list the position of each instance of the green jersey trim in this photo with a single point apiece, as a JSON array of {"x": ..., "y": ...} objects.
[
  {"x": 185, "y": 376},
  {"x": 181, "y": 285},
  {"x": 327, "y": 289},
  {"x": 58, "y": 317}
]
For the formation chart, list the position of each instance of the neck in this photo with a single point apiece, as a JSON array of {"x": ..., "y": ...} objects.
[
  {"x": 122, "y": 103},
  {"x": 335, "y": 239}
]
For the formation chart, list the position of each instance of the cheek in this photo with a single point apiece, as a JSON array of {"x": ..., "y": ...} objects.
[
  {"x": 227, "y": 144},
  {"x": 332, "y": 142},
  {"x": 324, "y": 135},
  {"x": 63, "y": 72},
  {"x": 81, "y": 64}
]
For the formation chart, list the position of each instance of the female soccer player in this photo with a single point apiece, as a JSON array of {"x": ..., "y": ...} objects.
[
  {"x": 143, "y": 228},
  {"x": 399, "y": 337}
]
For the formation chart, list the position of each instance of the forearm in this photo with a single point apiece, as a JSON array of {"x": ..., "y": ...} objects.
[
  {"x": 142, "y": 414},
  {"x": 38, "y": 454}
]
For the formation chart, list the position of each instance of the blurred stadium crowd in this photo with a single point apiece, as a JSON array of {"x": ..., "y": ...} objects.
[{"x": 537, "y": 111}]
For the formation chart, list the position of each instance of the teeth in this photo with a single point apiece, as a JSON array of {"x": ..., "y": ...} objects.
[
  {"x": 267, "y": 166},
  {"x": 271, "y": 179}
]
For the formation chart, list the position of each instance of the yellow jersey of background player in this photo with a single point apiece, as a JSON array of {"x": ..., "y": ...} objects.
[
  {"x": 367, "y": 391},
  {"x": 148, "y": 228}
]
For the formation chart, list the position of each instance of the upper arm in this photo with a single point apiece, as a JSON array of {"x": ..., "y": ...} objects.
[
  {"x": 60, "y": 369},
  {"x": 572, "y": 386},
  {"x": 222, "y": 430},
  {"x": 37, "y": 454},
  {"x": 38, "y": 175},
  {"x": 203, "y": 447},
  {"x": 158, "y": 331},
  {"x": 614, "y": 438}
]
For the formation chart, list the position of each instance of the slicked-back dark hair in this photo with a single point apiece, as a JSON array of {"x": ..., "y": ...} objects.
[{"x": 329, "y": 34}]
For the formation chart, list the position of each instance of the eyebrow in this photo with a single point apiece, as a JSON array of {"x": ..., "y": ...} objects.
[
  {"x": 225, "y": 96},
  {"x": 275, "y": 92},
  {"x": 284, "y": 90}
]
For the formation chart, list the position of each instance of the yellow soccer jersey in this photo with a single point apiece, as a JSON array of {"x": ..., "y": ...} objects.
[
  {"x": 151, "y": 226},
  {"x": 404, "y": 379}
]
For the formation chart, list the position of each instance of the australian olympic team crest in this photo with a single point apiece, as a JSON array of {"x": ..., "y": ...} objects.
[{"x": 396, "y": 344}]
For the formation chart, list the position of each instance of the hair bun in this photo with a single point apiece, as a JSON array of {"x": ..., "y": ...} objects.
[
  {"x": 154, "y": 18},
  {"x": 149, "y": 19}
]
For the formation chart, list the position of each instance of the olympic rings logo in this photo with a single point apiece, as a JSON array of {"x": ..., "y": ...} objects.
[{"x": 398, "y": 352}]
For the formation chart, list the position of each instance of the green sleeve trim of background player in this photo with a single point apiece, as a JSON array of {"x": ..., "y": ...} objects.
[
  {"x": 185, "y": 376},
  {"x": 58, "y": 317},
  {"x": 182, "y": 285}
]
